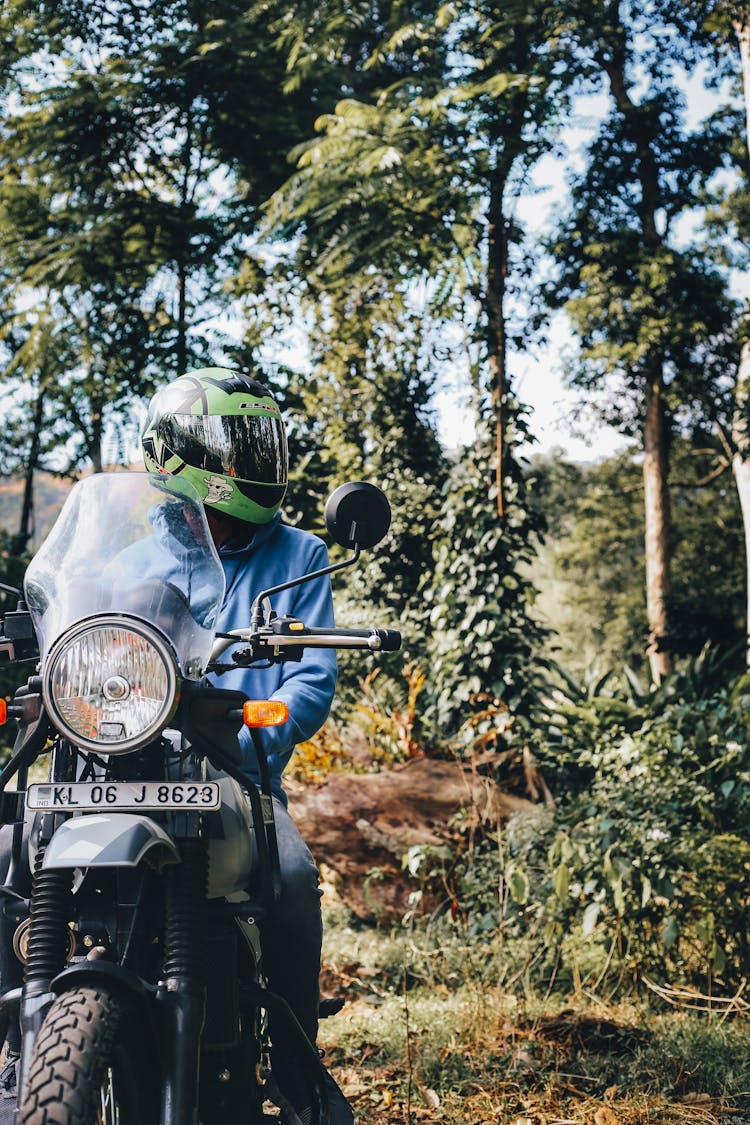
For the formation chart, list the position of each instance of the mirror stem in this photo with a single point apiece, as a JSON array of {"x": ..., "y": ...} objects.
[{"x": 257, "y": 613}]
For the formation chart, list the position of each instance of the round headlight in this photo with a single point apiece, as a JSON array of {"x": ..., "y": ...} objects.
[{"x": 110, "y": 684}]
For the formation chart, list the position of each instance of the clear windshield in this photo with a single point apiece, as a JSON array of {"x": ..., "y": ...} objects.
[{"x": 130, "y": 543}]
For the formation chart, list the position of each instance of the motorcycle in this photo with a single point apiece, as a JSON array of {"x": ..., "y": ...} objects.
[{"x": 153, "y": 859}]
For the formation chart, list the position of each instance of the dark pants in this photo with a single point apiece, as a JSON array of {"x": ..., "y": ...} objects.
[{"x": 291, "y": 939}]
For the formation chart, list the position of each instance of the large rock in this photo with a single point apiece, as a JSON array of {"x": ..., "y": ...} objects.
[{"x": 361, "y": 825}]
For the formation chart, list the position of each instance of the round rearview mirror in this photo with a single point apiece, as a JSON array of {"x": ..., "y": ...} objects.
[{"x": 357, "y": 514}]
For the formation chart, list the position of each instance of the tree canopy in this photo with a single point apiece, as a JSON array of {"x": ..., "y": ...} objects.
[{"x": 332, "y": 196}]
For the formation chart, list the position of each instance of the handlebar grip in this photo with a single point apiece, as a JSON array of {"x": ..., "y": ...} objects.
[{"x": 390, "y": 640}]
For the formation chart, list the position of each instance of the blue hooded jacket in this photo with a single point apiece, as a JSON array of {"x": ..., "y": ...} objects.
[{"x": 275, "y": 554}]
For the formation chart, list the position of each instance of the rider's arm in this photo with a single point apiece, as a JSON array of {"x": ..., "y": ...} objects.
[{"x": 307, "y": 687}]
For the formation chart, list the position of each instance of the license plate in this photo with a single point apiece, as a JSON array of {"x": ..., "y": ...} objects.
[{"x": 147, "y": 795}]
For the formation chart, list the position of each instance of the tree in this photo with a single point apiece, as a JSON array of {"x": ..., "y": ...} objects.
[
  {"x": 359, "y": 410},
  {"x": 413, "y": 183},
  {"x": 653, "y": 315},
  {"x": 726, "y": 24},
  {"x": 417, "y": 180},
  {"x": 399, "y": 452},
  {"x": 137, "y": 146}
]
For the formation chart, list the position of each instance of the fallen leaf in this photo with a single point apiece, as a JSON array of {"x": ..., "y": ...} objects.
[
  {"x": 610, "y": 1092},
  {"x": 430, "y": 1099},
  {"x": 605, "y": 1116}
]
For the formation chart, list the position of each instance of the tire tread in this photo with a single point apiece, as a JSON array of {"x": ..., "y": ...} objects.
[{"x": 70, "y": 1057}]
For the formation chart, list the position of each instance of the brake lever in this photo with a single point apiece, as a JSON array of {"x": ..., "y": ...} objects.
[{"x": 259, "y": 642}]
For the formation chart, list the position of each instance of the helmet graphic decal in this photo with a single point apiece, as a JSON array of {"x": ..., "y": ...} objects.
[
  {"x": 157, "y": 453},
  {"x": 218, "y": 490}
]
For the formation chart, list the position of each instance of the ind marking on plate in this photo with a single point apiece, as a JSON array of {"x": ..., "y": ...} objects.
[{"x": 148, "y": 795}]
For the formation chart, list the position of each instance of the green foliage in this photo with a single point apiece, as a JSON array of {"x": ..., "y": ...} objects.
[
  {"x": 484, "y": 638},
  {"x": 642, "y": 295},
  {"x": 590, "y": 570},
  {"x": 414, "y": 173},
  {"x": 646, "y": 853},
  {"x": 361, "y": 411}
]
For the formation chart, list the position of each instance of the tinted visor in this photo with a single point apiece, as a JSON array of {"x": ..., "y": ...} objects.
[{"x": 250, "y": 447}]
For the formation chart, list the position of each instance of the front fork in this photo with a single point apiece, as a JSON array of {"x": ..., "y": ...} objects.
[
  {"x": 182, "y": 989},
  {"x": 48, "y": 948}
]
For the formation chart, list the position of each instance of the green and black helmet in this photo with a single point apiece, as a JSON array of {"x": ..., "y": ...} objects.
[{"x": 222, "y": 431}]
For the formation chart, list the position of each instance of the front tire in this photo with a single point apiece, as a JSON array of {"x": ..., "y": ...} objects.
[{"x": 90, "y": 1064}]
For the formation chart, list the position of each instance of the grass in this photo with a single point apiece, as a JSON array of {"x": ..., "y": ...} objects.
[{"x": 419, "y": 1041}]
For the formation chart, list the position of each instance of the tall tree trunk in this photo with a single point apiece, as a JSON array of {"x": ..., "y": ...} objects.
[
  {"x": 656, "y": 463},
  {"x": 25, "y": 527},
  {"x": 181, "y": 354},
  {"x": 497, "y": 273},
  {"x": 741, "y": 419},
  {"x": 742, "y": 30},
  {"x": 182, "y": 255},
  {"x": 96, "y": 433},
  {"x": 509, "y": 146},
  {"x": 657, "y": 526},
  {"x": 741, "y": 466}
]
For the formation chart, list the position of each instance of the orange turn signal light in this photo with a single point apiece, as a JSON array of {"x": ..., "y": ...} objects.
[
  {"x": 3, "y": 712},
  {"x": 264, "y": 713}
]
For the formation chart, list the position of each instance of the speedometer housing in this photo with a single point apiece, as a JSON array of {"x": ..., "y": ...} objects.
[{"x": 111, "y": 684}]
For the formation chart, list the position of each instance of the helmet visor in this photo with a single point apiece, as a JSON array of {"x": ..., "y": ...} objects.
[{"x": 247, "y": 446}]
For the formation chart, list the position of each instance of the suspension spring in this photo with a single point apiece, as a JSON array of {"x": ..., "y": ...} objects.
[
  {"x": 185, "y": 927},
  {"x": 49, "y": 937}
]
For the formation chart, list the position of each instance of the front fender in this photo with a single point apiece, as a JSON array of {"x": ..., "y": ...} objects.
[
  {"x": 108, "y": 840},
  {"x": 98, "y": 971},
  {"x": 109, "y": 975}
]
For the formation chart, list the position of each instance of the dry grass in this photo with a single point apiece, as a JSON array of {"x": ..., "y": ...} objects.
[{"x": 410, "y": 1050}]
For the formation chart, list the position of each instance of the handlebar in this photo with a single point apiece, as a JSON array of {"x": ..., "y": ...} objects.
[
  {"x": 279, "y": 639},
  {"x": 382, "y": 640}
]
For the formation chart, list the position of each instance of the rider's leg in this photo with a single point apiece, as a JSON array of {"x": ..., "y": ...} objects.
[{"x": 291, "y": 940}]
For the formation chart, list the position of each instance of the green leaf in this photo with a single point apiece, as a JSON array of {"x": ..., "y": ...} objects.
[
  {"x": 645, "y": 891},
  {"x": 590, "y": 917},
  {"x": 518, "y": 885},
  {"x": 561, "y": 881},
  {"x": 670, "y": 931}
]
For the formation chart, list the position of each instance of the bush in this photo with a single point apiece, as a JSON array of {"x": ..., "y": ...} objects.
[
  {"x": 651, "y": 854},
  {"x": 641, "y": 867}
]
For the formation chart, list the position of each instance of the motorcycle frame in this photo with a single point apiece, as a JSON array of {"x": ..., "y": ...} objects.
[
  {"x": 175, "y": 1013},
  {"x": 357, "y": 514}
]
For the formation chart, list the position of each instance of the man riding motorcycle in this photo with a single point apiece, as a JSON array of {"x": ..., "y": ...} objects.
[{"x": 222, "y": 431}]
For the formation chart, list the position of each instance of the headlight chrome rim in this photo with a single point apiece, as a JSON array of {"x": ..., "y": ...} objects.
[{"x": 87, "y": 630}]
